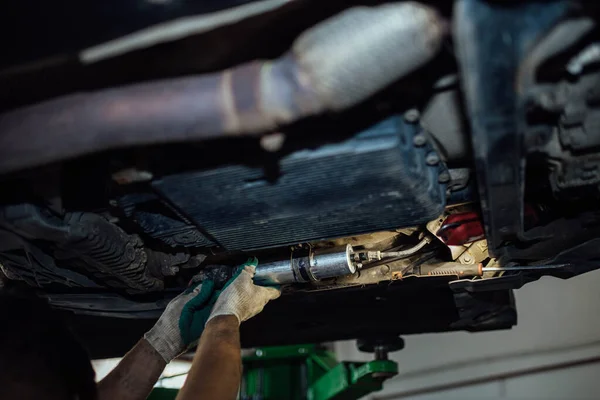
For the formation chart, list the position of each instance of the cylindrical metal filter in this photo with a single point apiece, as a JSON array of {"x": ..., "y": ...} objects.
[
  {"x": 275, "y": 273},
  {"x": 328, "y": 263},
  {"x": 307, "y": 266}
]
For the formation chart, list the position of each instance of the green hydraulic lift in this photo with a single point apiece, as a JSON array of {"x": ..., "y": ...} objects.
[{"x": 310, "y": 372}]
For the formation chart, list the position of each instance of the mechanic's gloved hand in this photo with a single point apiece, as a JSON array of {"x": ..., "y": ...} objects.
[
  {"x": 241, "y": 297},
  {"x": 182, "y": 322}
]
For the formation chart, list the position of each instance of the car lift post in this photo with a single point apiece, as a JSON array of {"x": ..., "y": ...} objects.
[{"x": 310, "y": 372}]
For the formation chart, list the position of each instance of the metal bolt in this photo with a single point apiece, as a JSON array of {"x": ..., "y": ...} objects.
[
  {"x": 419, "y": 140},
  {"x": 444, "y": 177},
  {"x": 412, "y": 115},
  {"x": 301, "y": 350},
  {"x": 381, "y": 353},
  {"x": 272, "y": 142},
  {"x": 384, "y": 269},
  {"x": 432, "y": 159},
  {"x": 259, "y": 353},
  {"x": 547, "y": 100},
  {"x": 467, "y": 258}
]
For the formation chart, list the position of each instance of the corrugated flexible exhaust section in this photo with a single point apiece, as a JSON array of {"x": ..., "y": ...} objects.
[{"x": 332, "y": 66}]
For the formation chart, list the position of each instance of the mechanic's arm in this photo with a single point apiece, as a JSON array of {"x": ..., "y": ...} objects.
[
  {"x": 180, "y": 325},
  {"x": 216, "y": 370},
  {"x": 135, "y": 375}
]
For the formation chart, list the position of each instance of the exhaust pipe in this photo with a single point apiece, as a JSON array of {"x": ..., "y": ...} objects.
[{"x": 334, "y": 65}]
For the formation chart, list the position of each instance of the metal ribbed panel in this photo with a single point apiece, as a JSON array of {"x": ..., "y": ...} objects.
[{"x": 373, "y": 181}]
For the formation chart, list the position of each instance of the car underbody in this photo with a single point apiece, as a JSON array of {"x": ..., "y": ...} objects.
[{"x": 398, "y": 167}]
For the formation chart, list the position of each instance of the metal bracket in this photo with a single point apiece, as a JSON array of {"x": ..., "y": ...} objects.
[{"x": 493, "y": 41}]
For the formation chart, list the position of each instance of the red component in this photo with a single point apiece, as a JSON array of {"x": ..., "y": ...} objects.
[
  {"x": 459, "y": 229},
  {"x": 530, "y": 217}
]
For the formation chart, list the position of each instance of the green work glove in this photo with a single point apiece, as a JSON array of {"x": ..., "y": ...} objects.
[
  {"x": 241, "y": 297},
  {"x": 182, "y": 322}
]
